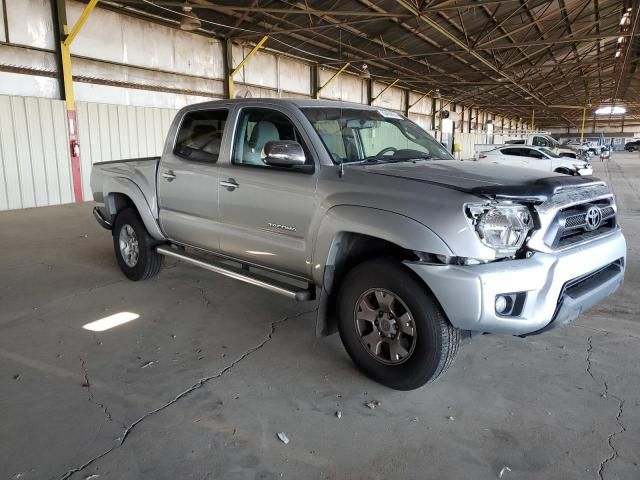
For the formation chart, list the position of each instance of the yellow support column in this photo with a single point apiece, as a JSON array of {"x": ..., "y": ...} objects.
[
  {"x": 384, "y": 90},
  {"x": 67, "y": 79},
  {"x": 230, "y": 83},
  {"x": 67, "y": 76},
  {"x": 333, "y": 77},
  {"x": 533, "y": 118}
]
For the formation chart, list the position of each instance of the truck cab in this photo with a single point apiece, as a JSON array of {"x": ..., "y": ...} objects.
[{"x": 405, "y": 249}]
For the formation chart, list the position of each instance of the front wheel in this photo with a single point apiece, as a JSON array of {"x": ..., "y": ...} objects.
[
  {"x": 392, "y": 327},
  {"x": 134, "y": 247}
]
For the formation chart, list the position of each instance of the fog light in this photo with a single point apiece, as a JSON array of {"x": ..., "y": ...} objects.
[{"x": 503, "y": 304}]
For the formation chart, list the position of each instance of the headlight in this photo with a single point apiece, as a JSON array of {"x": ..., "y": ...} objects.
[{"x": 501, "y": 227}]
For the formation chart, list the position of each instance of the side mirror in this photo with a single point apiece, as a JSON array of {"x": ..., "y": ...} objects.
[{"x": 283, "y": 153}]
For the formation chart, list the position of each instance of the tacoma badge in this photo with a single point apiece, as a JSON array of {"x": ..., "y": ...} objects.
[{"x": 282, "y": 227}]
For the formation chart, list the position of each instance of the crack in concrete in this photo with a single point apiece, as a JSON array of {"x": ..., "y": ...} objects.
[
  {"x": 92, "y": 399},
  {"x": 605, "y": 394},
  {"x": 200, "y": 383},
  {"x": 206, "y": 300},
  {"x": 621, "y": 429},
  {"x": 588, "y": 358}
]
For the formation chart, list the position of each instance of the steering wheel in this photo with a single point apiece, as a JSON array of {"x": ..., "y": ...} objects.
[{"x": 386, "y": 150}]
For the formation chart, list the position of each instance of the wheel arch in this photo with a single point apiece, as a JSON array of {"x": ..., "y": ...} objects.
[
  {"x": 121, "y": 193},
  {"x": 350, "y": 235}
]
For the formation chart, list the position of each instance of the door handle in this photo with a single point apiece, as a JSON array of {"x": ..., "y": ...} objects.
[
  {"x": 230, "y": 184},
  {"x": 169, "y": 175}
]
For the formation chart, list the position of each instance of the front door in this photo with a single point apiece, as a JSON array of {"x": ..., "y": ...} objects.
[
  {"x": 538, "y": 160},
  {"x": 266, "y": 211},
  {"x": 188, "y": 180}
]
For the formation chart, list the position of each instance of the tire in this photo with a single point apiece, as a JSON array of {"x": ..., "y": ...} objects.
[
  {"x": 429, "y": 351},
  {"x": 563, "y": 170},
  {"x": 128, "y": 227}
]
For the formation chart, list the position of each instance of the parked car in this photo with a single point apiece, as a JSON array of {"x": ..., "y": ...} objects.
[
  {"x": 632, "y": 146},
  {"x": 535, "y": 140},
  {"x": 538, "y": 158},
  {"x": 407, "y": 249},
  {"x": 585, "y": 146}
]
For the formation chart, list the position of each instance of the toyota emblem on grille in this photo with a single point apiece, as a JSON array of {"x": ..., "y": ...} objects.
[{"x": 593, "y": 218}]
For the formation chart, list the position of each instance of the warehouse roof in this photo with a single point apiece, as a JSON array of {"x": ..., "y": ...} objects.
[{"x": 512, "y": 56}]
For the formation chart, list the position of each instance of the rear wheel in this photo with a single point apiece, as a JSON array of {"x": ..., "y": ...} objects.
[
  {"x": 134, "y": 247},
  {"x": 392, "y": 327}
]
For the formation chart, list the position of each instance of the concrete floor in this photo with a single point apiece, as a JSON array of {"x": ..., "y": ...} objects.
[{"x": 233, "y": 365}]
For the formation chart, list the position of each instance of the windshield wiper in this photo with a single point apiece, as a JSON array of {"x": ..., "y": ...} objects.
[
  {"x": 412, "y": 159},
  {"x": 372, "y": 159}
]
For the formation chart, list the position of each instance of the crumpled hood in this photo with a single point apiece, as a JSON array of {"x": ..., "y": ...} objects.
[{"x": 478, "y": 178}]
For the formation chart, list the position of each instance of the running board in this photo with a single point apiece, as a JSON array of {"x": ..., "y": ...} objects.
[{"x": 244, "y": 275}]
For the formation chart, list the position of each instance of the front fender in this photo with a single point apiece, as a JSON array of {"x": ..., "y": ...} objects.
[
  {"x": 392, "y": 227},
  {"x": 127, "y": 187}
]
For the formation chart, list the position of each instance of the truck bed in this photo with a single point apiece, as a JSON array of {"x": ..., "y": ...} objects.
[{"x": 138, "y": 173}]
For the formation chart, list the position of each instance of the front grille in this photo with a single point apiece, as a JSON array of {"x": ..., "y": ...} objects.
[{"x": 571, "y": 225}]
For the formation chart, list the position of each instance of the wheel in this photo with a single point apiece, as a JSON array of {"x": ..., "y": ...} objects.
[
  {"x": 135, "y": 249},
  {"x": 563, "y": 171},
  {"x": 392, "y": 327}
]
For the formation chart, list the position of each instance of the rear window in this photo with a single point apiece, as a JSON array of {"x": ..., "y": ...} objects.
[{"x": 200, "y": 135}]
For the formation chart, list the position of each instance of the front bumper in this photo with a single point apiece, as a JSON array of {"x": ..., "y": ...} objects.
[
  {"x": 585, "y": 171},
  {"x": 558, "y": 286}
]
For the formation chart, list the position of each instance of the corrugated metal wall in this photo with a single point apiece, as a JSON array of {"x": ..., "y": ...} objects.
[
  {"x": 34, "y": 153},
  {"x": 116, "y": 132},
  {"x": 34, "y": 159}
]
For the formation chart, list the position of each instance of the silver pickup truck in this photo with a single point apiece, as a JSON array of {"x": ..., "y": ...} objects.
[{"x": 406, "y": 249}]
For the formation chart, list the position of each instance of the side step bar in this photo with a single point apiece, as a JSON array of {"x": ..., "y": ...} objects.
[
  {"x": 244, "y": 275},
  {"x": 104, "y": 223}
]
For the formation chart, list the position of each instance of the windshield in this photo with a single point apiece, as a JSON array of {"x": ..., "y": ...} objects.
[
  {"x": 549, "y": 152},
  {"x": 552, "y": 141},
  {"x": 358, "y": 135}
]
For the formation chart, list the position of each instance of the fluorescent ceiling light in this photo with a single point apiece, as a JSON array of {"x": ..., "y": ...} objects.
[
  {"x": 616, "y": 110},
  {"x": 111, "y": 321},
  {"x": 625, "y": 20}
]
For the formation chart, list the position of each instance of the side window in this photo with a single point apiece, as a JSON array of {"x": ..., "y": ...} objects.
[
  {"x": 511, "y": 151},
  {"x": 331, "y": 135},
  {"x": 534, "y": 153},
  {"x": 540, "y": 142},
  {"x": 256, "y": 127},
  {"x": 200, "y": 135}
]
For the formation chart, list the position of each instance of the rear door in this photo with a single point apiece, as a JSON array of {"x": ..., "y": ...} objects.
[
  {"x": 188, "y": 179},
  {"x": 266, "y": 211}
]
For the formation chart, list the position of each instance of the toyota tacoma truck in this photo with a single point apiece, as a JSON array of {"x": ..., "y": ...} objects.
[{"x": 407, "y": 250}]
